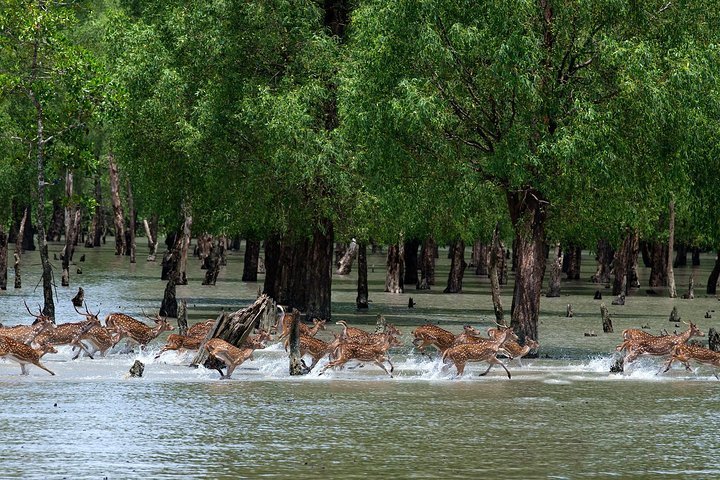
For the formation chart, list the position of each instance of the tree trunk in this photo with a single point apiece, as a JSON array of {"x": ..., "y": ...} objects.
[
  {"x": 394, "y": 271},
  {"x": 169, "y": 305},
  {"x": 695, "y": 257},
  {"x": 410, "y": 250},
  {"x": 645, "y": 251},
  {"x": 606, "y": 320},
  {"x": 182, "y": 318},
  {"x": 235, "y": 327},
  {"x": 58, "y": 220},
  {"x": 132, "y": 219},
  {"x": 96, "y": 227},
  {"x": 152, "y": 241},
  {"x": 319, "y": 268},
  {"x": 362, "y": 286},
  {"x": 294, "y": 344},
  {"x": 672, "y": 291},
  {"x": 555, "y": 273},
  {"x": 457, "y": 268},
  {"x": 625, "y": 264},
  {"x": 212, "y": 263},
  {"x": 18, "y": 250},
  {"x": 496, "y": 255},
  {"x": 480, "y": 257},
  {"x": 184, "y": 247},
  {"x": 604, "y": 257},
  {"x": 714, "y": 275},
  {"x": 681, "y": 255},
  {"x": 571, "y": 262},
  {"x": 345, "y": 263},
  {"x": 527, "y": 212},
  {"x": 427, "y": 265},
  {"x": 658, "y": 270},
  {"x": 72, "y": 214},
  {"x": 250, "y": 261},
  {"x": 3, "y": 258},
  {"x": 118, "y": 216},
  {"x": 272, "y": 267}
]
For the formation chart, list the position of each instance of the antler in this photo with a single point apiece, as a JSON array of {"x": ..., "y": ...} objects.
[{"x": 28, "y": 310}]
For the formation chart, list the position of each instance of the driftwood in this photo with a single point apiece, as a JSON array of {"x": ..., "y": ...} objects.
[{"x": 236, "y": 326}]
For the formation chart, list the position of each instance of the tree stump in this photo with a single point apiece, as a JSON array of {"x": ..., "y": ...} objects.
[
  {"x": 569, "y": 313},
  {"x": 182, "y": 318},
  {"x": 606, "y": 320},
  {"x": 674, "y": 315},
  {"x": 235, "y": 327},
  {"x": 714, "y": 340},
  {"x": 296, "y": 366},
  {"x": 79, "y": 298},
  {"x": 690, "y": 294},
  {"x": 137, "y": 369},
  {"x": 598, "y": 295}
]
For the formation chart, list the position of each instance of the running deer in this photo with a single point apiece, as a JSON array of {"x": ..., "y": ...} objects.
[
  {"x": 231, "y": 355},
  {"x": 65, "y": 333},
  {"x": 684, "y": 353},
  {"x": 633, "y": 335},
  {"x": 658, "y": 345},
  {"x": 357, "y": 335},
  {"x": 516, "y": 351},
  {"x": 304, "y": 330},
  {"x": 122, "y": 326},
  {"x": 97, "y": 336},
  {"x": 459, "y": 355},
  {"x": 438, "y": 337},
  {"x": 200, "y": 329},
  {"x": 364, "y": 353},
  {"x": 317, "y": 349},
  {"x": 27, "y": 333},
  {"x": 180, "y": 342},
  {"x": 24, "y": 354}
]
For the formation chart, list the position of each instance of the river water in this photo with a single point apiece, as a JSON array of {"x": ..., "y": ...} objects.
[{"x": 562, "y": 415}]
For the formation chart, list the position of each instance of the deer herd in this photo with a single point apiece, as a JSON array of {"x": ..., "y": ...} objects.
[{"x": 26, "y": 344}]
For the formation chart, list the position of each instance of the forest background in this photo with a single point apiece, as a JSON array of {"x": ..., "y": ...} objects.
[{"x": 530, "y": 130}]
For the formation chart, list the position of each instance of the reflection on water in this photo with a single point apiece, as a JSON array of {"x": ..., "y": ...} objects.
[{"x": 561, "y": 416}]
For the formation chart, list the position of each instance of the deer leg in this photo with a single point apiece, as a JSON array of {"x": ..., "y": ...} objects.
[
  {"x": 40, "y": 365},
  {"x": 488, "y": 369},
  {"x": 23, "y": 369},
  {"x": 382, "y": 365},
  {"x": 497, "y": 361}
]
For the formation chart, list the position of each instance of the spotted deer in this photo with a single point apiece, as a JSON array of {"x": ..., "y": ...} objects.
[
  {"x": 516, "y": 351},
  {"x": 200, "y": 329},
  {"x": 439, "y": 338},
  {"x": 304, "y": 330},
  {"x": 180, "y": 342},
  {"x": 633, "y": 335},
  {"x": 658, "y": 346},
  {"x": 231, "y": 355},
  {"x": 24, "y": 354},
  {"x": 97, "y": 336},
  {"x": 317, "y": 349},
  {"x": 459, "y": 355},
  {"x": 684, "y": 353},
  {"x": 124, "y": 326},
  {"x": 27, "y": 333},
  {"x": 65, "y": 333},
  {"x": 374, "y": 352},
  {"x": 358, "y": 335}
]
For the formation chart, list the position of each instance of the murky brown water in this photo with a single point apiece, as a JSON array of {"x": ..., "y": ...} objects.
[{"x": 560, "y": 416}]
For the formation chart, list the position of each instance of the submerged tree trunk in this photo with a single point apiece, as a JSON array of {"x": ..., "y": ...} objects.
[
  {"x": 19, "y": 250},
  {"x": 132, "y": 218},
  {"x": 555, "y": 273},
  {"x": 250, "y": 261},
  {"x": 527, "y": 212},
  {"x": 58, "y": 220},
  {"x": 695, "y": 257},
  {"x": 212, "y": 264},
  {"x": 3, "y": 258},
  {"x": 572, "y": 259},
  {"x": 294, "y": 345},
  {"x": 496, "y": 255},
  {"x": 625, "y": 264},
  {"x": 672, "y": 291},
  {"x": 457, "y": 267},
  {"x": 72, "y": 216},
  {"x": 658, "y": 270},
  {"x": 235, "y": 327},
  {"x": 410, "y": 257},
  {"x": 169, "y": 305},
  {"x": 184, "y": 247},
  {"x": 118, "y": 216},
  {"x": 345, "y": 263},
  {"x": 152, "y": 241},
  {"x": 604, "y": 257},
  {"x": 681, "y": 255},
  {"x": 96, "y": 227},
  {"x": 427, "y": 264},
  {"x": 714, "y": 275},
  {"x": 361, "y": 301},
  {"x": 319, "y": 269},
  {"x": 272, "y": 267},
  {"x": 394, "y": 271},
  {"x": 480, "y": 257}
]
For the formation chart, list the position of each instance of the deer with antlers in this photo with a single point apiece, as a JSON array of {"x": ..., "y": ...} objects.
[
  {"x": 439, "y": 338},
  {"x": 357, "y": 335},
  {"x": 97, "y": 336},
  {"x": 459, "y": 355},
  {"x": 317, "y": 349},
  {"x": 511, "y": 348},
  {"x": 286, "y": 321},
  {"x": 233, "y": 356},
  {"x": 27, "y": 333},
  {"x": 24, "y": 354},
  {"x": 658, "y": 346},
  {"x": 124, "y": 326},
  {"x": 65, "y": 333},
  {"x": 684, "y": 353}
]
